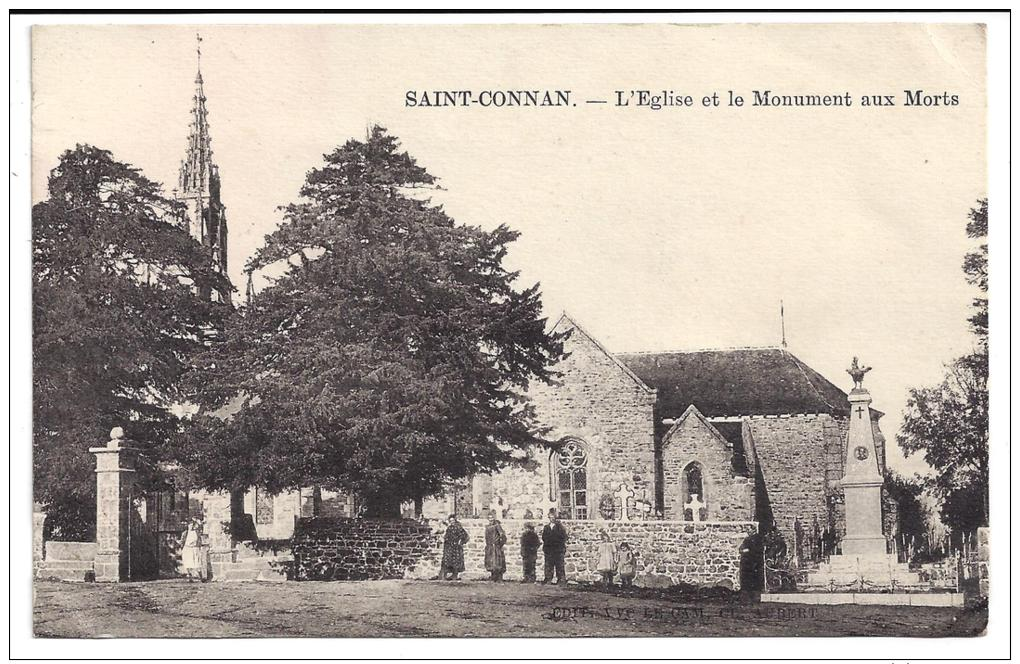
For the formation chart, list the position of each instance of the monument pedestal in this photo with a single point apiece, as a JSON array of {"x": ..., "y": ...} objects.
[{"x": 863, "y": 571}]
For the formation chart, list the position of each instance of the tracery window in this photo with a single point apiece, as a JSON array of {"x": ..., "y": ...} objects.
[
  {"x": 264, "y": 505},
  {"x": 572, "y": 480}
]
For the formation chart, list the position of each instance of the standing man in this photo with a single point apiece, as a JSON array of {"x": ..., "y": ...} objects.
[
  {"x": 529, "y": 552},
  {"x": 554, "y": 548},
  {"x": 453, "y": 550},
  {"x": 495, "y": 538}
]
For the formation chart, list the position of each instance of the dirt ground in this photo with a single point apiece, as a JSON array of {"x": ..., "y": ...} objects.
[{"x": 465, "y": 608}]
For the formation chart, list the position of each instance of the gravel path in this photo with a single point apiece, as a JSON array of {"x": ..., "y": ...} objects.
[{"x": 465, "y": 608}]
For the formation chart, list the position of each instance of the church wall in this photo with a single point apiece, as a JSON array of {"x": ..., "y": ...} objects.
[
  {"x": 597, "y": 402},
  {"x": 801, "y": 462},
  {"x": 727, "y": 497}
]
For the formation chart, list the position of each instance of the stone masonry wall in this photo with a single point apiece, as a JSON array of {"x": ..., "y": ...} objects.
[
  {"x": 332, "y": 549},
  {"x": 727, "y": 496},
  {"x": 599, "y": 403},
  {"x": 800, "y": 458},
  {"x": 670, "y": 552}
]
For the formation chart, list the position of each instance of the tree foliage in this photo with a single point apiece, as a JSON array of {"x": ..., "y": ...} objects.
[
  {"x": 115, "y": 323},
  {"x": 911, "y": 511},
  {"x": 948, "y": 422},
  {"x": 389, "y": 358}
]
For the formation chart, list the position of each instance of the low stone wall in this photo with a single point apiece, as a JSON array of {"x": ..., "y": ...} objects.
[
  {"x": 339, "y": 549},
  {"x": 670, "y": 552},
  {"x": 67, "y": 561}
]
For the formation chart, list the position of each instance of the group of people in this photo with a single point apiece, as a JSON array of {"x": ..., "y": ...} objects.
[{"x": 554, "y": 548}]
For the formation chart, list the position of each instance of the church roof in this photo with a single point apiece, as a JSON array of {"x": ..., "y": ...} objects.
[{"x": 743, "y": 381}]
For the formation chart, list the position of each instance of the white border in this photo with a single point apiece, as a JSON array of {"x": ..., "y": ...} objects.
[{"x": 994, "y": 645}]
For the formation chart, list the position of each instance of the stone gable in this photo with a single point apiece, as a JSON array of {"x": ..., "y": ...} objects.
[
  {"x": 599, "y": 403},
  {"x": 693, "y": 440}
]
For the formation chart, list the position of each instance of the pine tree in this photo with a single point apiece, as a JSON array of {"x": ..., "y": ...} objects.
[
  {"x": 116, "y": 320},
  {"x": 389, "y": 359}
]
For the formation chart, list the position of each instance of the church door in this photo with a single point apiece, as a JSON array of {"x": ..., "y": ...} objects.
[{"x": 572, "y": 481}]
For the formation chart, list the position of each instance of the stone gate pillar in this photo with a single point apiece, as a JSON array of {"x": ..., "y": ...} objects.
[{"x": 115, "y": 470}]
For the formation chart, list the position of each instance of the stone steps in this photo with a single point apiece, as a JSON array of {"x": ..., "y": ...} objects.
[
  {"x": 901, "y": 578},
  {"x": 259, "y": 568},
  {"x": 65, "y": 570}
]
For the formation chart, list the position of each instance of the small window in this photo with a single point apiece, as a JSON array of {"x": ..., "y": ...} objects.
[{"x": 694, "y": 499}]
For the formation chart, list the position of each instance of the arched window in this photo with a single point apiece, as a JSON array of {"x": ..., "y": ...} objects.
[
  {"x": 572, "y": 480},
  {"x": 695, "y": 504}
]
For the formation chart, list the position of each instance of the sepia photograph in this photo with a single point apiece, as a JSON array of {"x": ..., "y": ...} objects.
[{"x": 519, "y": 329}]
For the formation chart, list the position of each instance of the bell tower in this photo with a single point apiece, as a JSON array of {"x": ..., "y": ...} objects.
[{"x": 198, "y": 185}]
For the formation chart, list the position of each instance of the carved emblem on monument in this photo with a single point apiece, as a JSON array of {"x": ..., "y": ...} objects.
[
  {"x": 861, "y": 452},
  {"x": 857, "y": 372}
]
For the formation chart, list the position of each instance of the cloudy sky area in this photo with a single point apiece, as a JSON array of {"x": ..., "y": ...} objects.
[{"x": 673, "y": 229}]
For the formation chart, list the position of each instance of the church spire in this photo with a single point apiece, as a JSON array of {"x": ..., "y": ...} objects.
[
  {"x": 197, "y": 169},
  {"x": 199, "y": 179}
]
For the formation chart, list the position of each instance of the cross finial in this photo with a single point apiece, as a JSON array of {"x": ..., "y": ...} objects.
[{"x": 198, "y": 51}]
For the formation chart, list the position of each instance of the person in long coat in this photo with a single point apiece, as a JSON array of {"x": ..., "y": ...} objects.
[
  {"x": 495, "y": 538},
  {"x": 529, "y": 552},
  {"x": 453, "y": 549}
]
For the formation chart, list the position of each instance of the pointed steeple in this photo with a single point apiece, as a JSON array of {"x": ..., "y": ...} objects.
[
  {"x": 197, "y": 169},
  {"x": 199, "y": 179}
]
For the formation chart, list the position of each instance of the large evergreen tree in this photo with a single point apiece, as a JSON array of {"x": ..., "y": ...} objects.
[
  {"x": 388, "y": 359},
  {"x": 948, "y": 422},
  {"x": 115, "y": 319}
]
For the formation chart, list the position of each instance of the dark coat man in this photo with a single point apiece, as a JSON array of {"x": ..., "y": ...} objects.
[
  {"x": 495, "y": 559},
  {"x": 554, "y": 548},
  {"x": 529, "y": 551}
]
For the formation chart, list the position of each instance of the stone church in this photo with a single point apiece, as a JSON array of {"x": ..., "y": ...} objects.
[
  {"x": 749, "y": 434},
  {"x": 743, "y": 434}
]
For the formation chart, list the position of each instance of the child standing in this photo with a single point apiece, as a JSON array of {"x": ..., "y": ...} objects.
[
  {"x": 607, "y": 558},
  {"x": 628, "y": 565}
]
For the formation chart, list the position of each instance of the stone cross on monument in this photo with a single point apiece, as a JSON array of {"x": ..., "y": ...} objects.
[
  {"x": 695, "y": 506},
  {"x": 624, "y": 494}
]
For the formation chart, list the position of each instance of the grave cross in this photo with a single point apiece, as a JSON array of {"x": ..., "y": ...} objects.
[
  {"x": 695, "y": 506},
  {"x": 496, "y": 506},
  {"x": 624, "y": 494}
]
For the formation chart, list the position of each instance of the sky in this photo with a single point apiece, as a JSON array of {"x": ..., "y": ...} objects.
[{"x": 675, "y": 229}]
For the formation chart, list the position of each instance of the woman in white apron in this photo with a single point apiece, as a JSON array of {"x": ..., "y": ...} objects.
[{"x": 194, "y": 559}]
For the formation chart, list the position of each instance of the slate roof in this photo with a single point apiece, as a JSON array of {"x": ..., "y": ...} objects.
[{"x": 743, "y": 381}]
